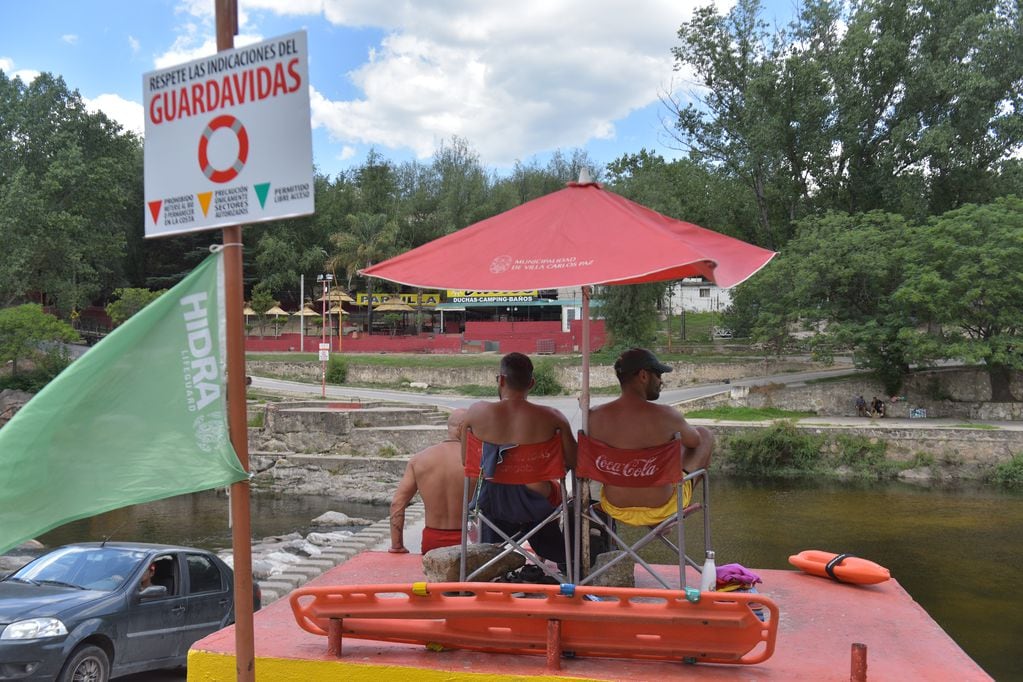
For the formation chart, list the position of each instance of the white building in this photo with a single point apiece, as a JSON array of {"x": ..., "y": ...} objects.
[{"x": 696, "y": 295}]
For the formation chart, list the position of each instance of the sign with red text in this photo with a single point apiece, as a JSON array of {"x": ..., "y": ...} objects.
[{"x": 228, "y": 138}]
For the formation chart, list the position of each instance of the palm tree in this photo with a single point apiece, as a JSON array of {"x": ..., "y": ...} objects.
[{"x": 367, "y": 238}]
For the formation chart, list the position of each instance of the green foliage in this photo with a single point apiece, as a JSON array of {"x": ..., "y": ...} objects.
[
  {"x": 776, "y": 450},
  {"x": 337, "y": 369},
  {"x": 746, "y": 414},
  {"x": 129, "y": 301},
  {"x": 26, "y": 332},
  {"x": 855, "y": 106},
  {"x": 861, "y": 452},
  {"x": 48, "y": 365},
  {"x": 1009, "y": 473},
  {"x": 630, "y": 312},
  {"x": 963, "y": 280},
  {"x": 262, "y": 301},
  {"x": 70, "y": 195},
  {"x": 546, "y": 379},
  {"x": 835, "y": 279}
]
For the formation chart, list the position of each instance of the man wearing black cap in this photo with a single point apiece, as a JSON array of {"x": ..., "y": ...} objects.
[{"x": 633, "y": 422}]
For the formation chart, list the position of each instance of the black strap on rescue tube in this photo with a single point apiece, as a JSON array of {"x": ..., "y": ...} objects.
[{"x": 830, "y": 567}]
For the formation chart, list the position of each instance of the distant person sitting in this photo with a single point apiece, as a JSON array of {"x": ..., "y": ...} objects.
[
  {"x": 513, "y": 420},
  {"x": 436, "y": 474},
  {"x": 633, "y": 422},
  {"x": 877, "y": 407}
]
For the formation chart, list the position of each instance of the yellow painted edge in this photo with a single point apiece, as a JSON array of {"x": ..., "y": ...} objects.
[{"x": 205, "y": 666}]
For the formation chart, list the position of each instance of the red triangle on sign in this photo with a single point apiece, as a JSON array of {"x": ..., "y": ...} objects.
[{"x": 154, "y": 208}]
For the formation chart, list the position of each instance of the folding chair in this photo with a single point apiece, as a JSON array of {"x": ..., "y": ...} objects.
[
  {"x": 516, "y": 465},
  {"x": 648, "y": 467}
]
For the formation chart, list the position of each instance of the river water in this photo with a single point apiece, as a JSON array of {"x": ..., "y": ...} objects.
[{"x": 958, "y": 552}]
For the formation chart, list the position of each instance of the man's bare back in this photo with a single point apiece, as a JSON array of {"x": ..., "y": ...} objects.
[
  {"x": 632, "y": 421},
  {"x": 437, "y": 474}
]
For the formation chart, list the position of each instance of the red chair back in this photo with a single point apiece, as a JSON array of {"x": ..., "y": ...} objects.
[
  {"x": 527, "y": 463},
  {"x": 645, "y": 468}
]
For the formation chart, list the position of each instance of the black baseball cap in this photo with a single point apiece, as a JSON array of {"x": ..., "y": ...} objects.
[{"x": 635, "y": 359}]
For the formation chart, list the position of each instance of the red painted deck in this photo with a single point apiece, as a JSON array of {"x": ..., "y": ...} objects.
[{"x": 820, "y": 620}]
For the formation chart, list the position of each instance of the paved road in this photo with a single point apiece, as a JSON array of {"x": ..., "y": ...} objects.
[{"x": 568, "y": 405}]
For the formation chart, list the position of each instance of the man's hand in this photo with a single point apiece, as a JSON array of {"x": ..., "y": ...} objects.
[{"x": 397, "y": 550}]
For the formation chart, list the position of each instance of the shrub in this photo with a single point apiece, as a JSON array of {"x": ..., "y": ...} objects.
[
  {"x": 337, "y": 369},
  {"x": 546, "y": 380},
  {"x": 778, "y": 449},
  {"x": 1009, "y": 473}
]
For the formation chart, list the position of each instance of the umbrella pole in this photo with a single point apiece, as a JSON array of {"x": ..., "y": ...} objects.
[{"x": 583, "y": 492}]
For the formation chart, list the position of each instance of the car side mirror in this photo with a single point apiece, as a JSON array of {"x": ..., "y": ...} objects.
[{"x": 153, "y": 592}]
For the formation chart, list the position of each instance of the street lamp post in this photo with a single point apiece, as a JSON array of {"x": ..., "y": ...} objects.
[{"x": 325, "y": 280}]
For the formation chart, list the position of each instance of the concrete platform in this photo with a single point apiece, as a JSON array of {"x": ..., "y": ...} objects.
[{"x": 819, "y": 622}]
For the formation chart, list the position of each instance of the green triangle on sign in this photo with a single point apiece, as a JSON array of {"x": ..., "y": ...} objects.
[{"x": 261, "y": 192}]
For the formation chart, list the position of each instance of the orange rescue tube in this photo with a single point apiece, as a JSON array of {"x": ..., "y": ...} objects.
[{"x": 845, "y": 568}]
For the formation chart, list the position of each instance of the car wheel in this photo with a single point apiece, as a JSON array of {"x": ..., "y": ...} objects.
[{"x": 86, "y": 664}]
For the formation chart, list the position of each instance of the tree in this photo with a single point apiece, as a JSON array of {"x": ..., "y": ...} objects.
[
  {"x": 908, "y": 107},
  {"x": 836, "y": 278},
  {"x": 26, "y": 329},
  {"x": 70, "y": 180},
  {"x": 262, "y": 301},
  {"x": 630, "y": 312},
  {"x": 965, "y": 280},
  {"x": 129, "y": 301},
  {"x": 366, "y": 239}
]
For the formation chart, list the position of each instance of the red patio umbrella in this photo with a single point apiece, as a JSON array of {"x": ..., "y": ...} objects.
[{"x": 579, "y": 236}]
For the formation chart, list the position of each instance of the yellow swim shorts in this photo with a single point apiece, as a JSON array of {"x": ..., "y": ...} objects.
[{"x": 648, "y": 516}]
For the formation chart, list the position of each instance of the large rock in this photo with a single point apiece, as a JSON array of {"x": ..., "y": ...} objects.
[
  {"x": 442, "y": 565},
  {"x": 336, "y": 518},
  {"x": 622, "y": 574}
]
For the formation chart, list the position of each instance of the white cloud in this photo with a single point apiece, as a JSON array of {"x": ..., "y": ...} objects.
[
  {"x": 194, "y": 45},
  {"x": 515, "y": 79},
  {"x": 347, "y": 152},
  {"x": 26, "y": 75},
  {"x": 129, "y": 114},
  {"x": 70, "y": 38},
  {"x": 133, "y": 43}
]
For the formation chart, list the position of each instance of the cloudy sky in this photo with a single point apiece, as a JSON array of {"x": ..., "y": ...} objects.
[{"x": 516, "y": 79}]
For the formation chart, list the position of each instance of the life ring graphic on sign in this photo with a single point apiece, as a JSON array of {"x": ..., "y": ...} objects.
[{"x": 230, "y": 173}]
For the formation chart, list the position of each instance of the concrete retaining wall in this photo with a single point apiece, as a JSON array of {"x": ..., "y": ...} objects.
[
  {"x": 683, "y": 373},
  {"x": 955, "y": 453}
]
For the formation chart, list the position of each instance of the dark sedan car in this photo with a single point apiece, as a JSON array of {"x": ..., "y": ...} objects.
[{"x": 92, "y": 611}]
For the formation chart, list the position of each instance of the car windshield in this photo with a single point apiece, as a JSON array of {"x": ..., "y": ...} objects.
[{"x": 91, "y": 568}]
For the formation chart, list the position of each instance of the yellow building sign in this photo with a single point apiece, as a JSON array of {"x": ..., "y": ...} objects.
[{"x": 426, "y": 299}]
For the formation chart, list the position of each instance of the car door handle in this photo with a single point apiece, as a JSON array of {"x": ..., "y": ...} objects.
[
  {"x": 223, "y": 602},
  {"x": 178, "y": 609}
]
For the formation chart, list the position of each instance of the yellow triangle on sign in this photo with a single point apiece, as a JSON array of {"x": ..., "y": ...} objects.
[{"x": 204, "y": 201}]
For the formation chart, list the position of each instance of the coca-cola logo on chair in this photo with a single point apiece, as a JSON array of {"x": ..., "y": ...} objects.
[{"x": 640, "y": 467}]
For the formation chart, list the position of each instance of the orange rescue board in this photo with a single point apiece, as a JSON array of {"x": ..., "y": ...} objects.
[{"x": 845, "y": 568}]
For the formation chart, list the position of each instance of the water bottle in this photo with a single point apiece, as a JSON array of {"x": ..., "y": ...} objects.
[{"x": 709, "y": 576}]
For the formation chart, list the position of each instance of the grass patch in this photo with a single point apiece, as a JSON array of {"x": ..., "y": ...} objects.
[
  {"x": 1009, "y": 473},
  {"x": 256, "y": 421},
  {"x": 747, "y": 414},
  {"x": 980, "y": 427}
]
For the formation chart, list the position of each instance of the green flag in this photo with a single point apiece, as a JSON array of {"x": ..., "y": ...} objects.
[{"x": 140, "y": 417}]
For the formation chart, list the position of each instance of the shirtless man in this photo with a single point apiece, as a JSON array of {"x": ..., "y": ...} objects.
[
  {"x": 436, "y": 473},
  {"x": 632, "y": 421},
  {"x": 513, "y": 419}
]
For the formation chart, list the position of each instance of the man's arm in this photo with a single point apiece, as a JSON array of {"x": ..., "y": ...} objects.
[{"x": 403, "y": 495}]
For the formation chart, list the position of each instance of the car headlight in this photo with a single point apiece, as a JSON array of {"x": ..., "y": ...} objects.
[{"x": 34, "y": 628}]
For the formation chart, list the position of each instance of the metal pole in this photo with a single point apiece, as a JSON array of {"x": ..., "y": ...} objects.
[
  {"x": 323, "y": 337},
  {"x": 241, "y": 533},
  {"x": 301, "y": 317}
]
